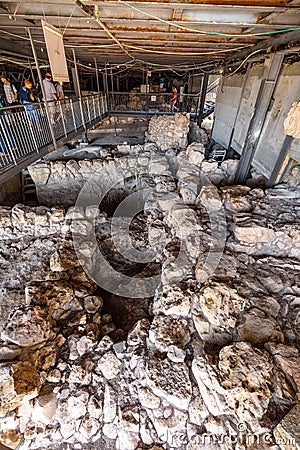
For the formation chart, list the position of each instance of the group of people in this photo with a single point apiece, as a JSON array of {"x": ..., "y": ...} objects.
[{"x": 26, "y": 96}]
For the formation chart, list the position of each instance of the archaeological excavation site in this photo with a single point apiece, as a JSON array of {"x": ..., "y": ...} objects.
[{"x": 149, "y": 225}]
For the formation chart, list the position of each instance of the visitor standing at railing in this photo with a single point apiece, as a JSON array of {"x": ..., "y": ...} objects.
[
  {"x": 27, "y": 98},
  {"x": 11, "y": 93},
  {"x": 59, "y": 91},
  {"x": 174, "y": 100},
  {"x": 50, "y": 93}
]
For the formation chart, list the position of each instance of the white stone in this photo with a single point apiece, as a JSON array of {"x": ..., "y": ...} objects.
[
  {"x": 110, "y": 404},
  {"x": 148, "y": 399},
  {"x": 165, "y": 332},
  {"x": 170, "y": 381},
  {"x": 77, "y": 404},
  {"x": 211, "y": 391},
  {"x": 109, "y": 365}
]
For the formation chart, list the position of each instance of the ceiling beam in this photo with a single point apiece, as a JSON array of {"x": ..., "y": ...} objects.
[
  {"x": 258, "y": 5},
  {"x": 267, "y": 46},
  {"x": 204, "y": 3}
]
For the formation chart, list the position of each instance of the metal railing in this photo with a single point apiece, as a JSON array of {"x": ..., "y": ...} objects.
[
  {"x": 25, "y": 129},
  {"x": 152, "y": 102}
]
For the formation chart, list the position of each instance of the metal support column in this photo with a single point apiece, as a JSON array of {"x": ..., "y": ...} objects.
[
  {"x": 112, "y": 86},
  {"x": 281, "y": 163},
  {"x": 267, "y": 86},
  {"x": 78, "y": 89},
  {"x": 201, "y": 100},
  {"x": 48, "y": 113},
  {"x": 97, "y": 75},
  {"x": 105, "y": 80}
]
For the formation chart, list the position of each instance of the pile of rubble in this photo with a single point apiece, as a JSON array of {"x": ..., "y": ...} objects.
[
  {"x": 207, "y": 359},
  {"x": 58, "y": 182},
  {"x": 213, "y": 356}
]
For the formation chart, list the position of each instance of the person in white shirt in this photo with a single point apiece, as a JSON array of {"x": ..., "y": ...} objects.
[
  {"x": 59, "y": 91},
  {"x": 11, "y": 93},
  {"x": 50, "y": 93}
]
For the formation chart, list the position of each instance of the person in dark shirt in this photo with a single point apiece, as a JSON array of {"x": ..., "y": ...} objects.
[{"x": 27, "y": 98}]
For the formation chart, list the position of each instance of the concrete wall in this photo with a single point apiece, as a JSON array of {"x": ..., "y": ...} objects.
[
  {"x": 228, "y": 99},
  {"x": 286, "y": 92},
  {"x": 235, "y": 107},
  {"x": 247, "y": 105}
]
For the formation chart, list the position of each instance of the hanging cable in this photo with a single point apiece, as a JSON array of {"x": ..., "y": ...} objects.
[
  {"x": 243, "y": 62},
  {"x": 69, "y": 20},
  {"x": 185, "y": 53},
  {"x": 88, "y": 11}
]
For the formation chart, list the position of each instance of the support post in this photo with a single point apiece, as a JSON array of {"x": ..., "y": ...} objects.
[
  {"x": 267, "y": 86},
  {"x": 48, "y": 113},
  {"x": 78, "y": 89},
  {"x": 112, "y": 86},
  {"x": 106, "y": 86},
  {"x": 97, "y": 75},
  {"x": 147, "y": 90},
  {"x": 76, "y": 75},
  {"x": 201, "y": 100},
  {"x": 31, "y": 71},
  {"x": 281, "y": 163},
  {"x": 239, "y": 106}
]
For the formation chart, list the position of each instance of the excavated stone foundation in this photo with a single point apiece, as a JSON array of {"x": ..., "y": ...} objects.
[{"x": 203, "y": 356}]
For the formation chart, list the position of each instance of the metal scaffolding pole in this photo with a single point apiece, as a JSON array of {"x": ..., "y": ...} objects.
[
  {"x": 97, "y": 74},
  {"x": 48, "y": 113},
  {"x": 201, "y": 101},
  {"x": 78, "y": 89}
]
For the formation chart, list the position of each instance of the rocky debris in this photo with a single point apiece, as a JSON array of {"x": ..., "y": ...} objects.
[
  {"x": 27, "y": 326},
  {"x": 287, "y": 431},
  {"x": 197, "y": 134},
  {"x": 19, "y": 382},
  {"x": 170, "y": 131},
  {"x": 215, "y": 351},
  {"x": 293, "y": 177},
  {"x": 215, "y": 313}
]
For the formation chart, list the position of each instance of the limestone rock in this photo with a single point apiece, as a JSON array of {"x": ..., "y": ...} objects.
[
  {"x": 110, "y": 404},
  {"x": 92, "y": 303},
  {"x": 59, "y": 297},
  {"x": 44, "y": 406},
  {"x": 148, "y": 399},
  {"x": 169, "y": 131},
  {"x": 165, "y": 332},
  {"x": 173, "y": 300},
  {"x": 18, "y": 381},
  {"x": 77, "y": 404},
  {"x": 109, "y": 365},
  {"x": 287, "y": 432},
  {"x": 27, "y": 326},
  {"x": 212, "y": 393},
  {"x": 215, "y": 312},
  {"x": 170, "y": 381},
  {"x": 246, "y": 394},
  {"x": 257, "y": 327}
]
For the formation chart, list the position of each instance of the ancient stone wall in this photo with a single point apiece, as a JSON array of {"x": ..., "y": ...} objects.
[{"x": 213, "y": 356}]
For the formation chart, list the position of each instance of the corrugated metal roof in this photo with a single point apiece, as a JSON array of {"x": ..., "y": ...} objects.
[{"x": 167, "y": 33}]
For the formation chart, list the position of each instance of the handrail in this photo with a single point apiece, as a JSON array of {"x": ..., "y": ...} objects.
[{"x": 25, "y": 133}]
